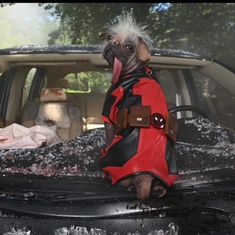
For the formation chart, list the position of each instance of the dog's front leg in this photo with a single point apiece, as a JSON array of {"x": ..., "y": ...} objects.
[{"x": 109, "y": 132}]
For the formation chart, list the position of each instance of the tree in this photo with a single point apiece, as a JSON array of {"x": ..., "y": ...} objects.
[
  {"x": 82, "y": 22},
  {"x": 24, "y": 24},
  {"x": 205, "y": 28},
  {"x": 6, "y": 4}
]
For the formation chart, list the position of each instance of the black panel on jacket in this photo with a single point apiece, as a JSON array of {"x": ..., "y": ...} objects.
[
  {"x": 108, "y": 103},
  {"x": 122, "y": 151},
  {"x": 171, "y": 157}
]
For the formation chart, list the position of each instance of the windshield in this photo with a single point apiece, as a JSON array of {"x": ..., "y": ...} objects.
[{"x": 214, "y": 99}]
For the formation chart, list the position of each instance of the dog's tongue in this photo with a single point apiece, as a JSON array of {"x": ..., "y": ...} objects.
[{"x": 117, "y": 68}]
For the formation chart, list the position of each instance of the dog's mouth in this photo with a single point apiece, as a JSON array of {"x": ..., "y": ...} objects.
[
  {"x": 117, "y": 68},
  {"x": 110, "y": 52},
  {"x": 109, "y": 56}
]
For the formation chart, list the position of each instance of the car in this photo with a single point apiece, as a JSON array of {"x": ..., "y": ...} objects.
[{"x": 58, "y": 188}]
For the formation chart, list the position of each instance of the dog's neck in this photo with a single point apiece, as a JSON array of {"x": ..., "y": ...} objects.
[
  {"x": 132, "y": 68},
  {"x": 138, "y": 69}
]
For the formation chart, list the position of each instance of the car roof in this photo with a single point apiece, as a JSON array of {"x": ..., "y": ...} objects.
[
  {"x": 93, "y": 49},
  {"x": 90, "y": 54}
]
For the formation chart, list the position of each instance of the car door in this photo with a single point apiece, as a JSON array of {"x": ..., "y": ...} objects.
[{"x": 176, "y": 89}]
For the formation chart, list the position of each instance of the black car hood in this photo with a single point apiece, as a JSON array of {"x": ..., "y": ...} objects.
[
  {"x": 60, "y": 189},
  {"x": 69, "y": 170},
  {"x": 202, "y": 146}
]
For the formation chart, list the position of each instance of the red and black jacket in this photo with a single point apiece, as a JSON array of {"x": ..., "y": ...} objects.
[{"x": 138, "y": 150}]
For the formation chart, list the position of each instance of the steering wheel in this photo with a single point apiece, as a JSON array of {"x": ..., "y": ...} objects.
[{"x": 188, "y": 108}]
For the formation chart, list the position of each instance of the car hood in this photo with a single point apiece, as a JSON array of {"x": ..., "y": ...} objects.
[
  {"x": 202, "y": 146},
  {"x": 69, "y": 171},
  {"x": 64, "y": 182}
]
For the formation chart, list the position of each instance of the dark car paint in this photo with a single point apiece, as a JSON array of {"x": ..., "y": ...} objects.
[{"x": 200, "y": 202}]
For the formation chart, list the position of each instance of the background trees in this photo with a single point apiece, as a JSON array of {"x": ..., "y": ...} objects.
[
  {"x": 24, "y": 23},
  {"x": 206, "y": 28},
  {"x": 82, "y": 22}
]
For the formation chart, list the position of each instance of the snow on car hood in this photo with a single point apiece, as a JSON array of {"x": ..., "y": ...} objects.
[
  {"x": 74, "y": 157},
  {"x": 173, "y": 229},
  {"x": 209, "y": 146},
  {"x": 58, "y": 49}
]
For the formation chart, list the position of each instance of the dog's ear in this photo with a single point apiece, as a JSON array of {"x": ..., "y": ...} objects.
[
  {"x": 143, "y": 51},
  {"x": 105, "y": 36}
]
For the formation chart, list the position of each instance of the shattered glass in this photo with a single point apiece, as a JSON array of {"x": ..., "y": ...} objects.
[
  {"x": 58, "y": 49},
  {"x": 74, "y": 157},
  {"x": 208, "y": 145},
  {"x": 76, "y": 230}
]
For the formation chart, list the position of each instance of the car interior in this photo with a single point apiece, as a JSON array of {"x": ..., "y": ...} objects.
[
  {"x": 66, "y": 92},
  {"x": 39, "y": 90}
]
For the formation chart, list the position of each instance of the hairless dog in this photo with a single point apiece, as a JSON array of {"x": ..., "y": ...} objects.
[{"x": 138, "y": 153}]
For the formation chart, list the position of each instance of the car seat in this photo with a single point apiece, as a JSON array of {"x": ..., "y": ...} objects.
[{"x": 53, "y": 109}]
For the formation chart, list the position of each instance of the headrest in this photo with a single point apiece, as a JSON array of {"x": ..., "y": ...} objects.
[
  {"x": 58, "y": 83},
  {"x": 53, "y": 94}
]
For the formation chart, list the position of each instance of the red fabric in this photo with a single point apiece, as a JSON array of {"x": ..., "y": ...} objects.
[
  {"x": 150, "y": 156},
  {"x": 118, "y": 93},
  {"x": 105, "y": 119},
  {"x": 115, "y": 140},
  {"x": 114, "y": 111}
]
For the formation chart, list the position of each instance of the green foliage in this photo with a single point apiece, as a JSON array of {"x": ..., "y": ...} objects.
[
  {"x": 99, "y": 82},
  {"x": 90, "y": 81},
  {"x": 24, "y": 24},
  {"x": 205, "y": 28},
  {"x": 82, "y": 22},
  {"x": 6, "y": 4}
]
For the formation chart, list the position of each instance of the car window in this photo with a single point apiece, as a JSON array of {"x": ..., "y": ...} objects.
[
  {"x": 1, "y": 122},
  {"x": 214, "y": 99},
  {"x": 28, "y": 83},
  {"x": 167, "y": 80},
  {"x": 88, "y": 81},
  {"x": 87, "y": 89}
]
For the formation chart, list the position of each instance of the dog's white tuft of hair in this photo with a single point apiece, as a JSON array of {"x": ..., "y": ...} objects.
[{"x": 126, "y": 27}]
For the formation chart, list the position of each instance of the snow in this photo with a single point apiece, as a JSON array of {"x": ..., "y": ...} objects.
[
  {"x": 214, "y": 146},
  {"x": 18, "y": 231},
  {"x": 58, "y": 49},
  {"x": 173, "y": 229},
  {"x": 74, "y": 157},
  {"x": 76, "y": 230}
]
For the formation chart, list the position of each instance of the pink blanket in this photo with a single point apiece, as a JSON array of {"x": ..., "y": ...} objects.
[{"x": 17, "y": 136}]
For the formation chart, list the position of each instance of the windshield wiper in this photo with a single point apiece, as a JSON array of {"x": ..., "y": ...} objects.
[
  {"x": 116, "y": 202},
  {"x": 105, "y": 210}
]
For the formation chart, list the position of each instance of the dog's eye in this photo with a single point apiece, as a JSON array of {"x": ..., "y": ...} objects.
[
  {"x": 129, "y": 47},
  {"x": 109, "y": 37}
]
